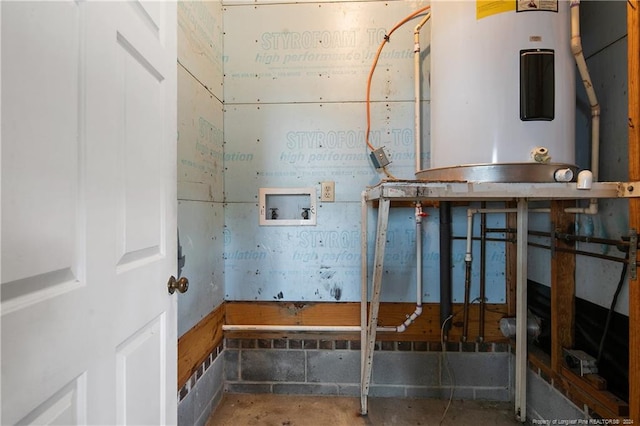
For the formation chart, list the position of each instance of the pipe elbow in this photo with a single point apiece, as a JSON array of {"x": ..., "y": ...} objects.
[
  {"x": 402, "y": 327},
  {"x": 593, "y": 207},
  {"x": 592, "y": 210}
]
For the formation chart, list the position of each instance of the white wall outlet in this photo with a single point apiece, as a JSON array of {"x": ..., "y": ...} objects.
[{"x": 328, "y": 191}]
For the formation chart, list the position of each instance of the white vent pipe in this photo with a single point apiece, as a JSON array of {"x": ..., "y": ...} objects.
[
  {"x": 576, "y": 49},
  {"x": 416, "y": 84}
]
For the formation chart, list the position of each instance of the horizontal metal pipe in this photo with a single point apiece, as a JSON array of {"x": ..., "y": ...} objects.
[
  {"x": 581, "y": 238},
  {"x": 582, "y": 252},
  {"x": 563, "y": 249},
  {"x": 508, "y": 240},
  {"x": 502, "y": 230},
  {"x": 311, "y": 328}
]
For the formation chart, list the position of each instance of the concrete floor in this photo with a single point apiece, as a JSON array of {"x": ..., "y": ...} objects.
[{"x": 294, "y": 410}]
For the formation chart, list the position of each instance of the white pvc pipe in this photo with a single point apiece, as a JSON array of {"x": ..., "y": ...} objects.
[
  {"x": 417, "y": 93},
  {"x": 418, "y": 311},
  {"x": 576, "y": 49}
]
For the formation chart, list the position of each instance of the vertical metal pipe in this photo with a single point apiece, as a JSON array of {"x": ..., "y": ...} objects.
[
  {"x": 521, "y": 311},
  {"x": 483, "y": 271},
  {"x": 445, "y": 264},
  {"x": 468, "y": 258},
  {"x": 467, "y": 289},
  {"x": 364, "y": 282}
]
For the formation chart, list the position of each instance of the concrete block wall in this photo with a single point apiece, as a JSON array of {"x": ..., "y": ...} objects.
[
  {"x": 479, "y": 371},
  {"x": 401, "y": 369},
  {"x": 200, "y": 396},
  {"x": 545, "y": 402}
]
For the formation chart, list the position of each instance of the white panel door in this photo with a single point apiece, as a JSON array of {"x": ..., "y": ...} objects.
[{"x": 88, "y": 212}]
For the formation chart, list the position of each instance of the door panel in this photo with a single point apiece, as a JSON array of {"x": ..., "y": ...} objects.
[
  {"x": 88, "y": 212},
  {"x": 142, "y": 390},
  {"x": 66, "y": 407},
  {"x": 44, "y": 126},
  {"x": 141, "y": 156}
]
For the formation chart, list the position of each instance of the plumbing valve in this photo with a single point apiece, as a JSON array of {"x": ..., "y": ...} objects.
[{"x": 419, "y": 213}]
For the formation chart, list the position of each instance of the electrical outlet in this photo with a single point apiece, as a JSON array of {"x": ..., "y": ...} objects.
[{"x": 328, "y": 191}]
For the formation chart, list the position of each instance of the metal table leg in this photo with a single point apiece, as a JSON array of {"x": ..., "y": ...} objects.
[{"x": 369, "y": 345}]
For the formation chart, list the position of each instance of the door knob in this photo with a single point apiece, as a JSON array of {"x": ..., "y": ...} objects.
[{"x": 182, "y": 285}]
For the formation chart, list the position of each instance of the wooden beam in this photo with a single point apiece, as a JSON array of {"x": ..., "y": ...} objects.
[
  {"x": 563, "y": 286},
  {"x": 633, "y": 68},
  {"x": 425, "y": 328},
  {"x": 196, "y": 344}
]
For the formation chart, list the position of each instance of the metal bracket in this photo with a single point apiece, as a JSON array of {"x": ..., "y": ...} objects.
[{"x": 633, "y": 253}]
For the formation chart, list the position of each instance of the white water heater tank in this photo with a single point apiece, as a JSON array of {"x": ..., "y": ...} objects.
[{"x": 502, "y": 83}]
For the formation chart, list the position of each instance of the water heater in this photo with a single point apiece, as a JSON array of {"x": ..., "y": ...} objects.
[{"x": 502, "y": 91}]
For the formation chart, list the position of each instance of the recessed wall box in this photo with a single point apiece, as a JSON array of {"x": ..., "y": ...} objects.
[{"x": 287, "y": 206}]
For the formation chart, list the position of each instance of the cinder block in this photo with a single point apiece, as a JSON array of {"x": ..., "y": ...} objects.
[
  {"x": 349, "y": 390},
  {"x": 333, "y": 366},
  {"x": 305, "y": 389},
  {"x": 405, "y": 368},
  {"x": 204, "y": 416},
  {"x": 205, "y": 390},
  {"x": 476, "y": 369},
  {"x": 247, "y": 387},
  {"x": 272, "y": 366},
  {"x": 438, "y": 392},
  {"x": 231, "y": 365},
  {"x": 217, "y": 398},
  {"x": 493, "y": 394},
  {"x": 547, "y": 402},
  {"x": 185, "y": 410},
  {"x": 379, "y": 391}
]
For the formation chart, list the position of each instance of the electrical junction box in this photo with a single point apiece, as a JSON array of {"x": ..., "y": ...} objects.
[
  {"x": 287, "y": 206},
  {"x": 379, "y": 158},
  {"x": 580, "y": 362}
]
